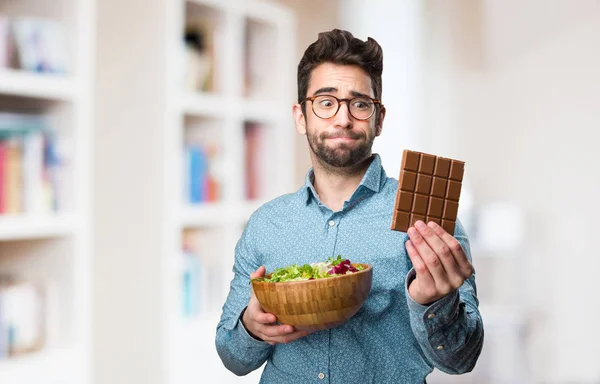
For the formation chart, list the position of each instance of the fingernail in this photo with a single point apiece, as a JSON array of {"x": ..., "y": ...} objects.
[
  {"x": 432, "y": 225},
  {"x": 414, "y": 234},
  {"x": 289, "y": 330},
  {"x": 419, "y": 224}
]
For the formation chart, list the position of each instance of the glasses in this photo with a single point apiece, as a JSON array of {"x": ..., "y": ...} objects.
[{"x": 327, "y": 106}]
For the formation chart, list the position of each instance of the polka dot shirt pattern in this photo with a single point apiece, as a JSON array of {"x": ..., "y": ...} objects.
[{"x": 392, "y": 339}]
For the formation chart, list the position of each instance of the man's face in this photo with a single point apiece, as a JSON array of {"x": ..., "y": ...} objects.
[{"x": 340, "y": 141}]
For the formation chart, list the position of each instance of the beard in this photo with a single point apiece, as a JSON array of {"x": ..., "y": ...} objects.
[{"x": 343, "y": 155}]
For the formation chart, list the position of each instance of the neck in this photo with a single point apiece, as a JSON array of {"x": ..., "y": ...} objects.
[{"x": 336, "y": 185}]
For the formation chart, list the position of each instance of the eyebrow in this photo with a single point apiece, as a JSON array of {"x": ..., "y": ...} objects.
[
  {"x": 333, "y": 89},
  {"x": 325, "y": 90}
]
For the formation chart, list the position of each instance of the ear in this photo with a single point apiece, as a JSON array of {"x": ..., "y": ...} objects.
[
  {"x": 379, "y": 127},
  {"x": 299, "y": 118}
]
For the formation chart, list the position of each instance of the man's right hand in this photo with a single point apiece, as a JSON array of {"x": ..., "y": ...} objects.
[{"x": 261, "y": 325}]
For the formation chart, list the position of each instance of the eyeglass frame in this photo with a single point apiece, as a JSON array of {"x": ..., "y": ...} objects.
[{"x": 339, "y": 101}]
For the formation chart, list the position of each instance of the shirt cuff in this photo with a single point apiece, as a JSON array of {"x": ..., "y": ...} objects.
[{"x": 438, "y": 314}]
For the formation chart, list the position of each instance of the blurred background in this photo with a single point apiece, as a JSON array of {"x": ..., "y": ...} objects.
[{"x": 137, "y": 137}]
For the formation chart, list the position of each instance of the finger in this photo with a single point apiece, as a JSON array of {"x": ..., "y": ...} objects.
[
  {"x": 264, "y": 317},
  {"x": 443, "y": 253},
  {"x": 433, "y": 263},
  {"x": 272, "y": 331},
  {"x": 254, "y": 275},
  {"x": 288, "y": 338},
  {"x": 422, "y": 271},
  {"x": 258, "y": 273},
  {"x": 460, "y": 257},
  {"x": 291, "y": 337},
  {"x": 257, "y": 314}
]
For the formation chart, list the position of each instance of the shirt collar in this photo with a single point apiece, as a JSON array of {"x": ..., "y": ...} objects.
[{"x": 371, "y": 180}]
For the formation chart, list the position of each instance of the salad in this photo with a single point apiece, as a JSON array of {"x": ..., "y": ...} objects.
[{"x": 320, "y": 270}]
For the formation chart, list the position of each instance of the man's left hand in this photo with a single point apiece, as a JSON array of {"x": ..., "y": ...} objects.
[{"x": 439, "y": 261}]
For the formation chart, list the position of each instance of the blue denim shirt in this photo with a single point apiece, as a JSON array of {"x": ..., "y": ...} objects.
[{"x": 392, "y": 339}]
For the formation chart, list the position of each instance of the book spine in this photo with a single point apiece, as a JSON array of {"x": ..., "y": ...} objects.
[
  {"x": 3, "y": 182},
  {"x": 4, "y": 28},
  {"x": 13, "y": 177},
  {"x": 33, "y": 173}
]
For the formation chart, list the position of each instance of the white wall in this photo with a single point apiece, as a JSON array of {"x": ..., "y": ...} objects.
[
  {"x": 512, "y": 88},
  {"x": 395, "y": 25},
  {"x": 312, "y": 17},
  {"x": 520, "y": 94},
  {"x": 128, "y": 183},
  {"x": 401, "y": 66}
]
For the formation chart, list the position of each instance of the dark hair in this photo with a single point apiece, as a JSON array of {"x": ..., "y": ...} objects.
[{"x": 342, "y": 48}]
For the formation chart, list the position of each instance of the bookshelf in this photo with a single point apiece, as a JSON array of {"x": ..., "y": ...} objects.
[
  {"x": 48, "y": 245},
  {"x": 43, "y": 86},
  {"x": 246, "y": 115},
  {"x": 169, "y": 169},
  {"x": 21, "y": 227}
]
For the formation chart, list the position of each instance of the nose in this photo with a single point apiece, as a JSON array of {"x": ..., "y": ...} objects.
[{"x": 342, "y": 117}]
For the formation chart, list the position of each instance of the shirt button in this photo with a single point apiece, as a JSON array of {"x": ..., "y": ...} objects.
[
  {"x": 431, "y": 316},
  {"x": 331, "y": 223},
  {"x": 321, "y": 375},
  {"x": 440, "y": 347}
]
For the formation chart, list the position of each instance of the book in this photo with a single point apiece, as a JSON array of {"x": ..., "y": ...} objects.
[
  {"x": 197, "y": 174},
  {"x": 30, "y": 165},
  {"x": 40, "y": 45},
  {"x": 3, "y": 161},
  {"x": 33, "y": 174},
  {"x": 22, "y": 325},
  {"x": 12, "y": 182},
  {"x": 258, "y": 64},
  {"x": 202, "y": 171},
  {"x": 199, "y": 46},
  {"x": 252, "y": 133},
  {"x": 4, "y": 45}
]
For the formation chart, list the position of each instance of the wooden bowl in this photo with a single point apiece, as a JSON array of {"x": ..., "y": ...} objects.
[{"x": 316, "y": 304}]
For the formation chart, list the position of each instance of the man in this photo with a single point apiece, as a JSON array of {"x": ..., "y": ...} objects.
[{"x": 422, "y": 309}]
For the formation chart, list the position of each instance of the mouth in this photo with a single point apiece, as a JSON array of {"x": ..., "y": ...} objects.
[{"x": 342, "y": 139}]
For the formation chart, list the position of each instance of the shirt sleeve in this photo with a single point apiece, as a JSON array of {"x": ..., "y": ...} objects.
[
  {"x": 450, "y": 330},
  {"x": 239, "y": 351}
]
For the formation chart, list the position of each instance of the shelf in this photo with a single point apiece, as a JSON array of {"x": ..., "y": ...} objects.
[
  {"x": 37, "y": 85},
  {"x": 203, "y": 104},
  {"x": 52, "y": 366},
  {"x": 217, "y": 214},
  {"x": 43, "y": 247},
  {"x": 19, "y": 227},
  {"x": 217, "y": 4},
  {"x": 268, "y": 13},
  {"x": 244, "y": 30},
  {"x": 252, "y": 109},
  {"x": 261, "y": 110}
]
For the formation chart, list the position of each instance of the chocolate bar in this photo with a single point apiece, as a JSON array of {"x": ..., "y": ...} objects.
[{"x": 428, "y": 190}]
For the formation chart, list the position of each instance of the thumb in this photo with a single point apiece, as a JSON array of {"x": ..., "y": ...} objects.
[
  {"x": 258, "y": 273},
  {"x": 254, "y": 275}
]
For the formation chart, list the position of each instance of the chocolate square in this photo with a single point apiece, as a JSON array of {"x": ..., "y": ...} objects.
[{"x": 429, "y": 190}]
